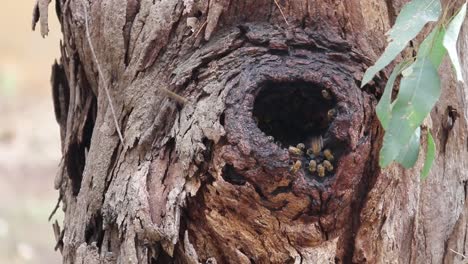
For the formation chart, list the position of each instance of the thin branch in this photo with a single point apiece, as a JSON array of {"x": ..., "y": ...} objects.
[
  {"x": 101, "y": 75},
  {"x": 56, "y": 207},
  {"x": 174, "y": 96},
  {"x": 281, "y": 11},
  {"x": 58, "y": 236},
  {"x": 199, "y": 30},
  {"x": 459, "y": 254}
]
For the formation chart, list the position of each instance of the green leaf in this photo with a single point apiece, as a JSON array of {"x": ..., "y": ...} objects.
[
  {"x": 409, "y": 23},
  {"x": 430, "y": 156},
  {"x": 419, "y": 91},
  {"x": 409, "y": 154},
  {"x": 432, "y": 46},
  {"x": 384, "y": 107},
  {"x": 450, "y": 40}
]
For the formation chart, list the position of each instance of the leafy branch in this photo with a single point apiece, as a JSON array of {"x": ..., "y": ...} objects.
[{"x": 420, "y": 83}]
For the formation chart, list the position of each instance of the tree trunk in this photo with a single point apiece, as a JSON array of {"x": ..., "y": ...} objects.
[{"x": 208, "y": 178}]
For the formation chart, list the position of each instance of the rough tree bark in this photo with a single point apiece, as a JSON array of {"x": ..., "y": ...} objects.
[{"x": 209, "y": 180}]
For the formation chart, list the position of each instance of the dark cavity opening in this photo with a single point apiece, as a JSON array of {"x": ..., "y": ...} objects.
[
  {"x": 76, "y": 157},
  {"x": 232, "y": 176},
  {"x": 293, "y": 112},
  {"x": 94, "y": 230}
]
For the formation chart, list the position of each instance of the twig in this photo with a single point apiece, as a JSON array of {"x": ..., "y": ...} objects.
[
  {"x": 58, "y": 236},
  {"x": 56, "y": 207},
  {"x": 101, "y": 75},
  {"x": 174, "y": 96},
  {"x": 281, "y": 11},
  {"x": 199, "y": 30},
  {"x": 459, "y": 254}
]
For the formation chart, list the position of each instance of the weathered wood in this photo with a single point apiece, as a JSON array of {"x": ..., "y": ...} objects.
[{"x": 204, "y": 181}]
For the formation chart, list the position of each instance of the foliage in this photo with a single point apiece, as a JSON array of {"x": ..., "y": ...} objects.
[
  {"x": 420, "y": 83},
  {"x": 412, "y": 18}
]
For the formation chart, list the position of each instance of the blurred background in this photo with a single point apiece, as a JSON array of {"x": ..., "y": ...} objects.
[{"x": 29, "y": 136}]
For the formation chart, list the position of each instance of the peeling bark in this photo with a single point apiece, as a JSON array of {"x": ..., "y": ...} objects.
[{"x": 210, "y": 180}]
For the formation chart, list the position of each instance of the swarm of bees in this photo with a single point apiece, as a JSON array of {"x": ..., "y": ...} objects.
[
  {"x": 312, "y": 155},
  {"x": 320, "y": 162}
]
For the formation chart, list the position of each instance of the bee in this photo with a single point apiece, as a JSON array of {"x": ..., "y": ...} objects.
[
  {"x": 331, "y": 114},
  {"x": 316, "y": 145},
  {"x": 312, "y": 166},
  {"x": 320, "y": 170},
  {"x": 296, "y": 166},
  {"x": 328, "y": 155},
  {"x": 328, "y": 166},
  {"x": 300, "y": 146},
  {"x": 295, "y": 151},
  {"x": 326, "y": 95}
]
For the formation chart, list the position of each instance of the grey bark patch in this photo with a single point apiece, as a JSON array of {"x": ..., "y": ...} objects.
[
  {"x": 41, "y": 15},
  {"x": 133, "y": 7},
  {"x": 165, "y": 18},
  {"x": 214, "y": 12}
]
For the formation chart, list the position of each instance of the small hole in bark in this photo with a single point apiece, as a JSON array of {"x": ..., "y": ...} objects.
[
  {"x": 282, "y": 189},
  {"x": 75, "y": 157},
  {"x": 293, "y": 112},
  {"x": 161, "y": 257},
  {"x": 198, "y": 14},
  {"x": 75, "y": 160},
  {"x": 221, "y": 118},
  {"x": 230, "y": 175},
  {"x": 94, "y": 231}
]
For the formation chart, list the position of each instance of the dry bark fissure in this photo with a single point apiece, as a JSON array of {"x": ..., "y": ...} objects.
[{"x": 210, "y": 181}]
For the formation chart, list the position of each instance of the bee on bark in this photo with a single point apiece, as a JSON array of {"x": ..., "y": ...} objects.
[
  {"x": 326, "y": 95},
  {"x": 328, "y": 155},
  {"x": 295, "y": 151},
  {"x": 316, "y": 145},
  {"x": 296, "y": 166},
  {"x": 312, "y": 166},
  {"x": 328, "y": 166},
  {"x": 321, "y": 170}
]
